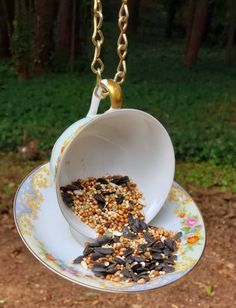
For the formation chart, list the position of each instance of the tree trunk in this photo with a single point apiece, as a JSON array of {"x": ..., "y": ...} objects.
[
  {"x": 4, "y": 39},
  {"x": 189, "y": 23},
  {"x": 84, "y": 25},
  {"x": 72, "y": 44},
  {"x": 21, "y": 40},
  {"x": 63, "y": 29},
  {"x": 210, "y": 13},
  {"x": 133, "y": 6},
  {"x": 195, "y": 30},
  {"x": 6, "y": 19},
  {"x": 42, "y": 45},
  {"x": 231, "y": 33},
  {"x": 172, "y": 6}
]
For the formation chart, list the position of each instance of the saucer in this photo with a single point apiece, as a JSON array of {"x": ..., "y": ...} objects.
[{"x": 46, "y": 233}]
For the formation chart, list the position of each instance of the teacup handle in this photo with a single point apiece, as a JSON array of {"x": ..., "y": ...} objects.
[{"x": 114, "y": 91}]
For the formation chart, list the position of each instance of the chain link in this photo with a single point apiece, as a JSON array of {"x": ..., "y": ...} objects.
[
  {"x": 97, "y": 65},
  {"x": 122, "y": 44}
]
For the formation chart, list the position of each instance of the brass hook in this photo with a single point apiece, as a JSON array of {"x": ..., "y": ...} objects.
[
  {"x": 112, "y": 89},
  {"x": 115, "y": 93}
]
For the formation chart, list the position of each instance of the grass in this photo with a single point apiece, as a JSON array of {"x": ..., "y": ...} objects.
[
  {"x": 205, "y": 175},
  {"x": 196, "y": 106},
  {"x": 14, "y": 167}
]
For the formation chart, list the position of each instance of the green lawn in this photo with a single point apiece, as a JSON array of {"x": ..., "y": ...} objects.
[
  {"x": 193, "y": 176},
  {"x": 197, "y": 106}
]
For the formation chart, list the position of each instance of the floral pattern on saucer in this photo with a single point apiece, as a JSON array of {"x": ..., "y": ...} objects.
[
  {"x": 36, "y": 196},
  {"x": 191, "y": 225}
]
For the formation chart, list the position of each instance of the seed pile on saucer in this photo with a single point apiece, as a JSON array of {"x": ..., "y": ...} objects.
[
  {"x": 104, "y": 203},
  {"x": 138, "y": 253},
  {"x": 126, "y": 248}
]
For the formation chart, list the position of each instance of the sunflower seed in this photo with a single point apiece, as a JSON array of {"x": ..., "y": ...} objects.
[
  {"x": 135, "y": 225},
  {"x": 77, "y": 185},
  {"x": 99, "y": 268},
  {"x": 142, "y": 270},
  {"x": 135, "y": 267},
  {"x": 157, "y": 247},
  {"x": 87, "y": 251},
  {"x": 103, "y": 240},
  {"x": 93, "y": 244},
  {"x": 116, "y": 239},
  {"x": 104, "y": 251},
  {"x": 98, "y": 187},
  {"x": 128, "y": 252},
  {"x": 120, "y": 180},
  {"x": 157, "y": 256},
  {"x": 154, "y": 249},
  {"x": 170, "y": 244},
  {"x": 142, "y": 247},
  {"x": 100, "y": 199},
  {"x": 137, "y": 259},
  {"x": 108, "y": 193},
  {"x": 134, "y": 276},
  {"x": 148, "y": 237},
  {"x": 67, "y": 198},
  {"x": 143, "y": 225},
  {"x": 96, "y": 256},
  {"x": 70, "y": 187},
  {"x": 159, "y": 267},
  {"x": 130, "y": 218},
  {"x": 63, "y": 189},
  {"x": 126, "y": 273},
  {"x": 120, "y": 199},
  {"x": 159, "y": 244},
  {"x": 178, "y": 235},
  {"x": 168, "y": 269},
  {"x": 152, "y": 266},
  {"x": 102, "y": 181},
  {"x": 169, "y": 261},
  {"x": 150, "y": 244},
  {"x": 127, "y": 233},
  {"x": 78, "y": 260},
  {"x": 125, "y": 179},
  {"x": 111, "y": 269},
  {"x": 119, "y": 260},
  {"x": 129, "y": 260},
  {"x": 167, "y": 251}
]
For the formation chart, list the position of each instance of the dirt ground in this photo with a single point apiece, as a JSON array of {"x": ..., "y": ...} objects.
[{"x": 24, "y": 282}]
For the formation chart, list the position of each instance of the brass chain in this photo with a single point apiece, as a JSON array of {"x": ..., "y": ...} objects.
[
  {"x": 122, "y": 44},
  {"x": 97, "y": 65}
]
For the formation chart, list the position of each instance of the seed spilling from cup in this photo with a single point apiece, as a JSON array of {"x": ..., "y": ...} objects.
[
  {"x": 126, "y": 248},
  {"x": 104, "y": 203},
  {"x": 149, "y": 253}
]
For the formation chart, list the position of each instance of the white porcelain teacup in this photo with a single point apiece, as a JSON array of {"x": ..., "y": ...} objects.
[{"x": 120, "y": 141}]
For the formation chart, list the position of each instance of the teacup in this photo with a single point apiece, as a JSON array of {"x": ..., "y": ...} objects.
[{"x": 118, "y": 142}]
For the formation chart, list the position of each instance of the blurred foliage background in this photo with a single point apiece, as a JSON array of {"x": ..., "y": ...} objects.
[{"x": 181, "y": 69}]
